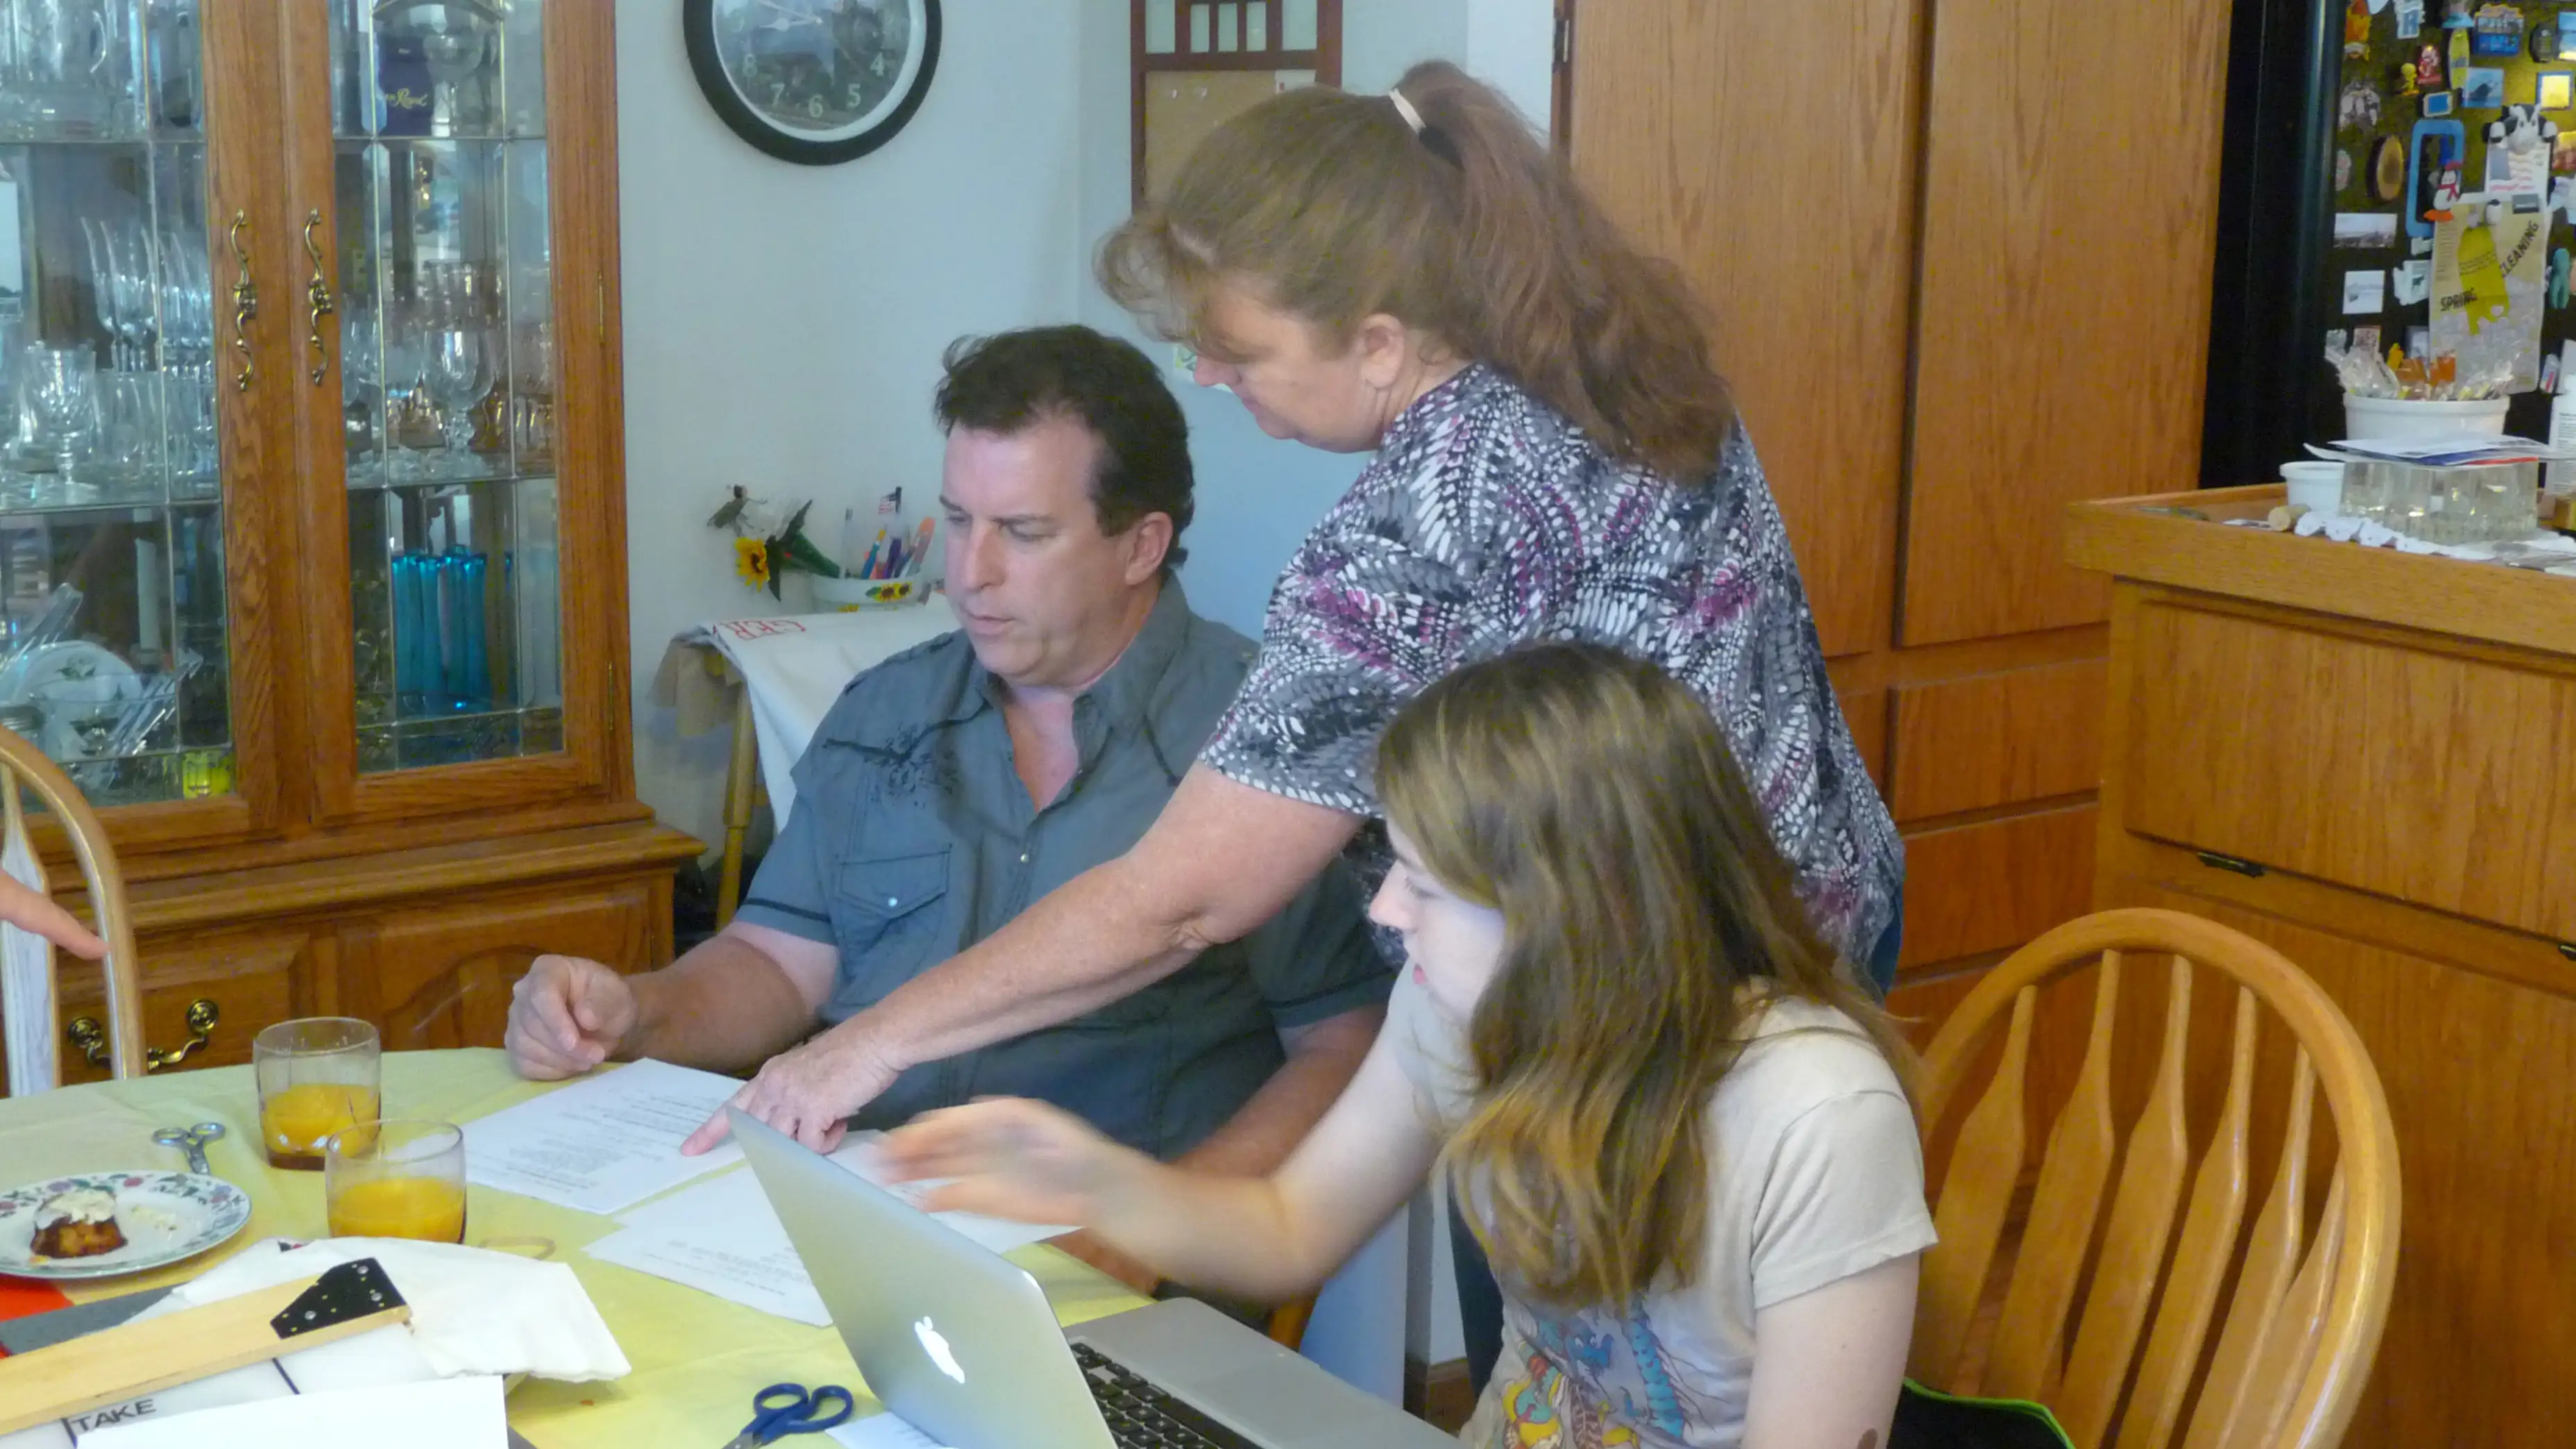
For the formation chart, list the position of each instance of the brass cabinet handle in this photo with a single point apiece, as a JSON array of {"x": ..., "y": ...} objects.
[
  {"x": 90, "y": 1039},
  {"x": 245, "y": 301},
  {"x": 317, "y": 293}
]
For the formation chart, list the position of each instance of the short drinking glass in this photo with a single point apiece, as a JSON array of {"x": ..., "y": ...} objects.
[
  {"x": 397, "y": 1180},
  {"x": 316, "y": 1076}
]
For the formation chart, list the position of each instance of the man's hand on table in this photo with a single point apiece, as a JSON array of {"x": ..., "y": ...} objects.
[
  {"x": 809, "y": 1091},
  {"x": 566, "y": 1016}
]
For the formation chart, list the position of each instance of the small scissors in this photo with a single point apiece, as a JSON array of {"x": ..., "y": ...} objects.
[{"x": 793, "y": 1409}]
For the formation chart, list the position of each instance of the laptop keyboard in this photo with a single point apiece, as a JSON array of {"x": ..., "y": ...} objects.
[{"x": 1142, "y": 1416}]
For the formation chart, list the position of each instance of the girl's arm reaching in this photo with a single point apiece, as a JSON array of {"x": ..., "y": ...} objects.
[{"x": 1261, "y": 1238}]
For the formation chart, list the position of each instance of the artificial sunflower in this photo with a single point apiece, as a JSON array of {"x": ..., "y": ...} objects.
[{"x": 751, "y": 563}]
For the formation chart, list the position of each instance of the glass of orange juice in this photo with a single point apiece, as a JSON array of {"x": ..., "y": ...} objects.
[
  {"x": 316, "y": 1076},
  {"x": 397, "y": 1180}
]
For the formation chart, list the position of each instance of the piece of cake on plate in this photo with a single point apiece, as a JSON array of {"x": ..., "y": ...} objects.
[{"x": 80, "y": 1223}]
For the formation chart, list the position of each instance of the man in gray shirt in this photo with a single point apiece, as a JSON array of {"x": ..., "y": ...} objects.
[{"x": 957, "y": 782}]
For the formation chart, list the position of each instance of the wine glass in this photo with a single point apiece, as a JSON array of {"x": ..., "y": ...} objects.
[
  {"x": 453, "y": 52},
  {"x": 130, "y": 431},
  {"x": 459, "y": 374},
  {"x": 59, "y": 402}
]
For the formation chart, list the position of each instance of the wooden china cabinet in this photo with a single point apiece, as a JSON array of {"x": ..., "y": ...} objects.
[{"x": 312, "y": 546}]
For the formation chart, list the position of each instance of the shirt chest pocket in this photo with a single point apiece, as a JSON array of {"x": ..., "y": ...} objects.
[{"x": 891, "y": 915}]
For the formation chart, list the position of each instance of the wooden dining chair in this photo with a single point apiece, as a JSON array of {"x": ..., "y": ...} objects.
[
  {"x": 2297, "y": 1320},
  {"x": 22, "y": 764},
  {"x": 1288, "y": 1322}
]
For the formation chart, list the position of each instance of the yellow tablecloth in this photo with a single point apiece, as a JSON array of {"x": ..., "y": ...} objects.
[{"x": 697, "y": 1358}]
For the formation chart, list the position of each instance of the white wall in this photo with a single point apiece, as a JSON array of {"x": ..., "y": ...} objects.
[{"x": 784, "y": 323}]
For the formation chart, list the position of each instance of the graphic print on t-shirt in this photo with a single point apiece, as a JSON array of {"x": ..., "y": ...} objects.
[{"x": 1588, "y": 1381}]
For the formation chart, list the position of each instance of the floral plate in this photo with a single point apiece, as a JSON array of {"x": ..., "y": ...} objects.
[{"x": 165, "y": 1216}]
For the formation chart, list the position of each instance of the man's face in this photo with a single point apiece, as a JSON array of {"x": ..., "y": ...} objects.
[{"x": 1047, "y": 599}]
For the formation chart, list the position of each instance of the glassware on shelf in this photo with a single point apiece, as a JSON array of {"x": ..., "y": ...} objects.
[
  {"x": 57, "y": 409},
  {"x": 459, "y": 376},
  {"x": 362, "y": 394},
  {"x": 173, "y": 63},
  {"x": 121, "y": 292},
  {"x": 130, "y": 433},
  {"x": 60, "y": 81},
  {"x": 454, "y": 51},
  {"x": 531, "y": 420}
]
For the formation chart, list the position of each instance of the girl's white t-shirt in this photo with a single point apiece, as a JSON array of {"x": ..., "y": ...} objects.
[{"x": 1816, "y": 1174}]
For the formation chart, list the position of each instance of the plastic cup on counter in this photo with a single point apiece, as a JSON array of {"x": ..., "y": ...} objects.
[{"x": 2315, "y": 484}]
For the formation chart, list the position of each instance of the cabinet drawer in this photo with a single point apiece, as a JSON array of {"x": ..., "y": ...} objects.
[
  {"x": 1997, "y": 739},
  {"x": 2447, "y": 780},
  {"x": 249, "y": 980},
  {"x": 442, "y": 977},
  {"x": 1994, "y": 885}
]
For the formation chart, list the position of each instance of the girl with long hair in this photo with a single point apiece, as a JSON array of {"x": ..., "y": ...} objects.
[{"x": 1673, "y": 1120}]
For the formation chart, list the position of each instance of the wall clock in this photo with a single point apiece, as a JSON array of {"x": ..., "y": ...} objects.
[{"x": 813, "y": 81}]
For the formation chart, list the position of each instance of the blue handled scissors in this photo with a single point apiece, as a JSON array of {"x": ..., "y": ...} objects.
[{"x": 783, "y": 1409}]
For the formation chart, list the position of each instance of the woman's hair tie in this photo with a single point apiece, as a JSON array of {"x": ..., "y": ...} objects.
[{"x": 1431, "y": 136}]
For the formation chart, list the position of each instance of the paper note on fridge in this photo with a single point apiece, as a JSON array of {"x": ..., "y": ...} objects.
[
  {"x": 605, "y": 1143},
  {"x": 2412, "y": 280}
]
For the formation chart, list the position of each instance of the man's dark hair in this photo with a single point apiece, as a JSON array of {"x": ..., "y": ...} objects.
[{"x": 1006, "y": 382}]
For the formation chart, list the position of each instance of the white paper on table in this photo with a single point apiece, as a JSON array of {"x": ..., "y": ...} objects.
[
  {"x": 883, "y": 1431},
  {"x": 440, "y": 1414},
  {"x": 605, "y": 1143},
  {"x": 722, "y": 1237}
]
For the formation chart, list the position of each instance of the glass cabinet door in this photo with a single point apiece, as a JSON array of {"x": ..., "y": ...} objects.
[
  {"x": 448, "y": 379},
  {"x": 114, "y": 648}
]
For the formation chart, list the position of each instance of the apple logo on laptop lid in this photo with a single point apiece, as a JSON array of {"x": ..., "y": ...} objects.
[{"x": 934, "y": 1344}]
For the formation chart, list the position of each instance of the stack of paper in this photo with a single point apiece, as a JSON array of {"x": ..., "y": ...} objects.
[
  {"x": 605, "y": 1143},
  {"x": 722, "y": 1237},
  {"x": 2449, "y": 451}
]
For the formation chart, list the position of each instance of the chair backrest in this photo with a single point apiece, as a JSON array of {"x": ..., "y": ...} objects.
[
  {"x": 2298, "y": 1323},
  {"x": 22, "y": 764}
]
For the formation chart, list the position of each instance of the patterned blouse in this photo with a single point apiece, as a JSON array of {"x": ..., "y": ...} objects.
[{"x": 1488, "y": 520}]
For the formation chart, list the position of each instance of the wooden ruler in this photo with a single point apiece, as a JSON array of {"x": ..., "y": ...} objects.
[{"x": 135, "y": 1359}]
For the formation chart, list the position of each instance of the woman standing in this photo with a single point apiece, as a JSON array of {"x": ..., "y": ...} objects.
[{"x": 1412, "y": 274}]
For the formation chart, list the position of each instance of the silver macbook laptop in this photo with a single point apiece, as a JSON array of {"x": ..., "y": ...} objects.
[{"x": 961, "y": 1342}]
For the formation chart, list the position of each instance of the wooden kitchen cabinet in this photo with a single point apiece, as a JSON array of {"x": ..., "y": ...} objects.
[
  {"x": 242, "y": 980},
  {"x": 439, "y": 978},
  {"x": 1901, "y": 223},
  {"x": 2368, "y": 760}
]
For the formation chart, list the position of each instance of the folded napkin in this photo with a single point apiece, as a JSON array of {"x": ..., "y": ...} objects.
[{"x": 473, "y": 1310}]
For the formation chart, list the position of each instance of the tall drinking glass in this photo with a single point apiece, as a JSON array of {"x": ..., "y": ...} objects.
[{"x": 316, "y": 1076}]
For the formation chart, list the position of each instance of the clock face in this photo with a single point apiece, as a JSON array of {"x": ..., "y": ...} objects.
[{"x": 814, "y": 80}]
